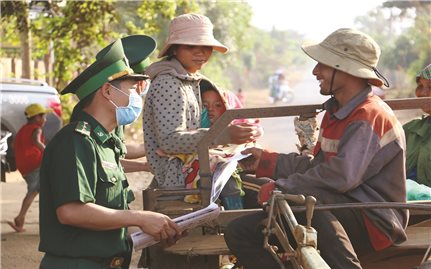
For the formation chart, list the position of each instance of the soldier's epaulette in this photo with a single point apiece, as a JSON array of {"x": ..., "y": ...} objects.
[{"x": 83, "y": 127}]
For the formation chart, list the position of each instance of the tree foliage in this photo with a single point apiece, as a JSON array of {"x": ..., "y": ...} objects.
[
  {"x": 403, "y": 31},
  {"x": 77, "y": 30}
]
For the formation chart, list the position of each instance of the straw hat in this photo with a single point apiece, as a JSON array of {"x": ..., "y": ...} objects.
[
  {"x": 192, "y": 29},
  {"x": 350, "y": 51}
]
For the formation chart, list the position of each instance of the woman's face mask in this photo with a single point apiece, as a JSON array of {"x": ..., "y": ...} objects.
[{"x": 130, "y": 113}]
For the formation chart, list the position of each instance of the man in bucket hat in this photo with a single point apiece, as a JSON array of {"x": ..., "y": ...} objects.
[
  {"x": 84, "y": 192},
  {"x": 359, "y": 154}
]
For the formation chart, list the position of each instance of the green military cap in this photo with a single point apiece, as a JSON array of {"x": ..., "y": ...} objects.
[
  {"x": 137, "y": 49},
  {"x": 111, "y": 65}
]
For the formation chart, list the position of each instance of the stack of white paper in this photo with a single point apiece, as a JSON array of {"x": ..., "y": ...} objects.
[{"x": 189, "y": 221}]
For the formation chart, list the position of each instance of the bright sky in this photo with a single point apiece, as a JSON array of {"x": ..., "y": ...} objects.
[{"x": 316, "y": 19}]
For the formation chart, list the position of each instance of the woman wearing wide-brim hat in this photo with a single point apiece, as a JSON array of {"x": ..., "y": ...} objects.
[{"x": 173, "y": 105}]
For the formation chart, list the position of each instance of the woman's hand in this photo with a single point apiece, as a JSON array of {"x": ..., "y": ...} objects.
[{"x": 243, "y": 133}]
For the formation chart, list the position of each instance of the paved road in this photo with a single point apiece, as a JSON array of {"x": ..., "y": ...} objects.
[
  {"x": 279, "y": 132},
  {"x": 20, "y": 250}
]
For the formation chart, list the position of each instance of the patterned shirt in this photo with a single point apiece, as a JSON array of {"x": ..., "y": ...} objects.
[{"x": 171, "y": 119}]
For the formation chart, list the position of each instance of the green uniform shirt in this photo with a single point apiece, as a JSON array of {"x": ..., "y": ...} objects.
[
  {"x": 418, "y": 154},
  {"x": 81, "y": 163},
  {"x": 118, "y": 131}
]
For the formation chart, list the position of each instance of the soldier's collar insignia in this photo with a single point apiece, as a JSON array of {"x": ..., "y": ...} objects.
[
  {"x": 83, "y": 127},
  {"x": 101, "y": 134}
]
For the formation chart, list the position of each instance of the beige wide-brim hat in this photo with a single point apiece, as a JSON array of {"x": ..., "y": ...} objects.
[
  {"x": 192, "y": 29},
  {"x": 350, "y": 51}
]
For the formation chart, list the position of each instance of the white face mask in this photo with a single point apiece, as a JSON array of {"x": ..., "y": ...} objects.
[{"x": 130, "y": 113}]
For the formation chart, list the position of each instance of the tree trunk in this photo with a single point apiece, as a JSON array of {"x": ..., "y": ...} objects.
[
  {"x": 13, "y": 66},
  {"x": 36, "y": 69},
  {"x": 25, "y": 39}
]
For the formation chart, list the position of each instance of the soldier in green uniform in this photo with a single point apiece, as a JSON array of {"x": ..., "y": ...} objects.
[
  {"x": 137, "y": 49},
  {"x": 84, "y": 193}
]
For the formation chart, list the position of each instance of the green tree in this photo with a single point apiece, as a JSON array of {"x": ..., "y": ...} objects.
[
  {"x": 402, "y": 29},
  {"x": 17, "y": 11}
]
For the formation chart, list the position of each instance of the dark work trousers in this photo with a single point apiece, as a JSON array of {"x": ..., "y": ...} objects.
[{"x": 340, "y": 233}]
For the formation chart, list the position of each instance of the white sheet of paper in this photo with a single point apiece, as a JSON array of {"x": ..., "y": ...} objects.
[
  {"x": 189, "y": 221},
  {"x": 186, "y": 222}
]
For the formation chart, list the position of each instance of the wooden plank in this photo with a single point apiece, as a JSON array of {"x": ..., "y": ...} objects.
[
  {"x": 417, "y": 237},
  {"x": 193, "y": 245},
  {"x": 175, "y": 208}
]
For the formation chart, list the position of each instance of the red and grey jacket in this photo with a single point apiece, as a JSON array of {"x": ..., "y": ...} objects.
[{"x": 360, "y": 155}]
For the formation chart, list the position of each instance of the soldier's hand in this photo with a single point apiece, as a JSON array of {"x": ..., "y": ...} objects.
[
  {"x": 160, "y": 226},
  {"x": 172, "y": 240}
]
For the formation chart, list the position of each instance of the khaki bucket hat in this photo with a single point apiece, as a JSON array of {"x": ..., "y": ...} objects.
[
  {"x": 192, "y": 29},
  {"x": 350, "y": 51}
]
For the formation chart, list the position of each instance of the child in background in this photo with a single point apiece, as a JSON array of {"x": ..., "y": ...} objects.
[
  {"x": 215, "y": 103},
  {"x": 29, "y": 146}
]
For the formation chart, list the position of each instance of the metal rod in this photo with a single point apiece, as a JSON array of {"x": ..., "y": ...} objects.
[{"x": 394, "y": 205}]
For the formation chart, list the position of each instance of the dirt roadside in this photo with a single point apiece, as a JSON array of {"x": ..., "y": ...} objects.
[{"x": 20, "y": 250}]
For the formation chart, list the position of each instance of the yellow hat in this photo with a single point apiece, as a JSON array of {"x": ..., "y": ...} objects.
[{"x": 36, "y": 109}]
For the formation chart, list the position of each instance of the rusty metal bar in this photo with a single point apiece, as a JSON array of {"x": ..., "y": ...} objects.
[
  {"x": 150, "y": 195},
  {"x": 393, "y": 205},
  {"x": 268, "y": 112}
]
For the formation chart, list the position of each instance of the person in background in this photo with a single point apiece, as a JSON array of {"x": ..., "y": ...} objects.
[
  {"x": 418, "y": 137},
  {"x": 359, "y": 153},
  {"x": 137, "y": 49},
  {"x": 241, "y": 96},
  {"x": 173, "y": 106},
  {"x": 84, "y": 192},
  {"x": 29, "y": 146}
]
